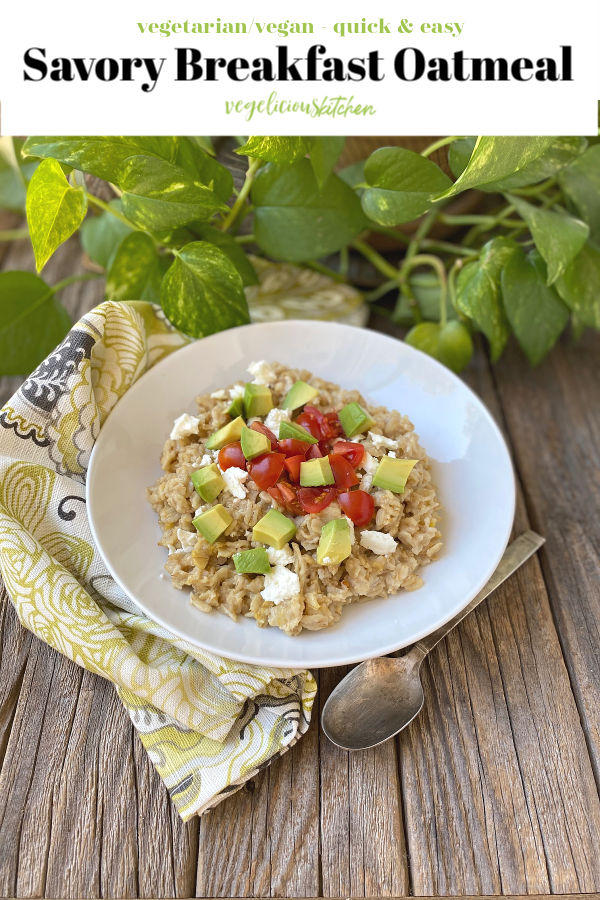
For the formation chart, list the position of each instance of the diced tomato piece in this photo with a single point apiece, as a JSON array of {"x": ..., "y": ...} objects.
[
  {"x": 292, "y": 447},
  {"x": 314, "y": 452},
  {"x": 310, "y": 423},
  {"x": 292, "y": 464},
  {"x": 358, "y": 506},
  {"x": 258, "y": 426},
  {"x": 231, "y": 455},
  {"x": 265, "y": 470},
  {"x": 350, "y": 450},
  {"x": 324, "y": 426},
  {"x": 344, "y": 474},
  {"x": 285, "y": 495},
  {"x": 334, "y": 424},
  {"x": 315, "y": 499}
]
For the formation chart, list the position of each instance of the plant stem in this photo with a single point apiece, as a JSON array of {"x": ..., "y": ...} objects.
[
  {"x": 376, "y": 260},
  {"x": 73, "y": 279},
  {"x": 244, "y": 238},
  {"x": 14, "y": 234},
  {"x": 438, "y": 144},
  {"x": 427, "y": 259},
  {"x": 232, "y": 216},
  {"x": 96, "y": 201},
  {"x": 380, "y": 291},
  {"x": 325, "y": 270}
]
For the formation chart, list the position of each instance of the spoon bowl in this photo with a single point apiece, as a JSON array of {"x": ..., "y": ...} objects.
[{"x": 374, "y": 702}]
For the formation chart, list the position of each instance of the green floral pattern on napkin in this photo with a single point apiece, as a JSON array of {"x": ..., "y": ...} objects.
[{"x": 207, "y": 723}]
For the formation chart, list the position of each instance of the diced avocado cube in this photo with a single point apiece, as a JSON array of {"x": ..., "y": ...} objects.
[
  {"x": 274, "y": 529},
  {"x": 212, "y": 523},
  {"x": 254, "y": 443},
  {"x": 315, "y": 472},
  {"x": 335, "y": 542},
  {"x": 257, "y": 400},
  {"x": 391, "y": 473},
  {"x": 237, "y": 408},
  {"x": 291, "y": 430},
  {"x": 252, "y": 562},
  {"x": 226, "y": 435},
  {"x": 355, "y": 420},
  {"x": 208, "y": 482},
  {"x": 299, "y": 394}
]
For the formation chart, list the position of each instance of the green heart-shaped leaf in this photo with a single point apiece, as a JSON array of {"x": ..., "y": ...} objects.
[
  {"x": 450, "y": 344},
  {"x": 160, "y": 196},
  {"x": 296, "y": 220},
  {"x": 496, "y": 157},
  {"x": 135, "y": 271},
  {"x": 581, "y": 183},
  {"x": 101, "y": 235},
  {"x": 231, "y": 249},
  {"x": 478, "y": 292},
  {"x": 32, "y": 322},
  {"x": 55, "y": 210},
  {"x": 324, "y": 153},
  {"x": 578, "y": 286},
  {"x": 536, "y": 313},
  {"x": 559, "y": 238},
  {"x": 202, "y": 291},
  {"x": 101, "y": 156},
  {"x": 276, "y": 149},
  {"x": 403, "y": 185}
]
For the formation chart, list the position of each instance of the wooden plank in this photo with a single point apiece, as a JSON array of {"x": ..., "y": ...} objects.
[
  {"x": 264, "y": 840},
  {"x": 498, "y": 788},
  {"x": 82, "y": 812},
  {"x": 362, "y": 840},
  {"x": 552, "y": 419}
]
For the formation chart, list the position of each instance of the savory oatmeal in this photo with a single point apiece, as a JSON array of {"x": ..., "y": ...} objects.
[{"x": 285, "y": 498}]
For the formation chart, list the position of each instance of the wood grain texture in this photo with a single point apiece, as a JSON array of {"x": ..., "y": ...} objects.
[
  {"x": 490, "y": 791},
  {"x": 555, "y": 434},
  {"x": 497, "y": 781}
]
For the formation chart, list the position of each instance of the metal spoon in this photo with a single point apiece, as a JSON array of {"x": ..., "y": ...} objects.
[{"x": 381, "y": 696}]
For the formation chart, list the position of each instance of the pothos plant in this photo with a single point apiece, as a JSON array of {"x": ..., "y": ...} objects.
[{"x": 173, "y": 233}]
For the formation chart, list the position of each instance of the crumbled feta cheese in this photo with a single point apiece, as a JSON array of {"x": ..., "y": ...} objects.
[
  {"x": 233, "y": 478},
  {"x": 261, "y": 372},
  {"x": 218, "y": 395},
  {"x": 205, "y": 460},
  {"x": 280, "y": 584},
  {"x": 369, "y": 463},
  {"x": 283, "y": 557},
  {"x": 378, "y": 542},
  {"x": 275, "y": 418},
  {"x": 381, "y": 441},
  {"x": 351, "y": 525},
  {"x": 186, "y": 539},
  {"x": 184, "y": 426},
  {"x": 236, "y": 391},
  {"x": 392, "y": 454}
]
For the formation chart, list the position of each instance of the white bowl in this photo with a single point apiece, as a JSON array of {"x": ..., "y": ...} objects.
[{"x": 471, "y": 468}]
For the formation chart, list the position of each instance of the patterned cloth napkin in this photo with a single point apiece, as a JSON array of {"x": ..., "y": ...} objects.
[{"x": 207, "y": 723}]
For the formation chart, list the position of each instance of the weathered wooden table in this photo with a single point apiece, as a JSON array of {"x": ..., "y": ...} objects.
[{"x": 493, "y": 790}]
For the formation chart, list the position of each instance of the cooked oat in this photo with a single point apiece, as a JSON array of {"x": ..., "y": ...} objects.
[{"x": 208, "y": 570}]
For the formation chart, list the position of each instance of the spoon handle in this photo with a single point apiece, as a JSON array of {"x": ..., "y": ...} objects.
[{"x": 514, "y": 556}]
